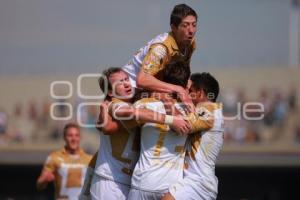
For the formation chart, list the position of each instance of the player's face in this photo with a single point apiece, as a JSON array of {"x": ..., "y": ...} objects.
[
  {"x": 186, "y": 30},
  {"x": 121, "y": 87},
  {"x": 196, "y": 95},
  {"x": 72, "y": 139}
]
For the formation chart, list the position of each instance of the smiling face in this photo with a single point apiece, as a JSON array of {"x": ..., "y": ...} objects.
[
  {"x": 72, "y": 139},
  {"x": 185, "y": 32},
  {"x": 121, "y": 87}
]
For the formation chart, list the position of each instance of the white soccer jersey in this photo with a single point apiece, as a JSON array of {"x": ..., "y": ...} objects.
[
  {"x": 155, "y": 55},
  {"x": 118, "y": 153},
  {"x": 203, "y": 149},
  {"x": 162, "y": 154}
]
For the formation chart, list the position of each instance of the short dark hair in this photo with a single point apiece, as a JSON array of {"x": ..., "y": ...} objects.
[
  {"x": 70, "y": 125},
  {"x": 107, "y": 73},
  {"x": 177, "y": 73},
  {"x": 179, "y": 12},
  {"x": 206, "y": 82}
]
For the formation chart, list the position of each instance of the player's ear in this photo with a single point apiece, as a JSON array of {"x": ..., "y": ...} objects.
[
  {"x": 109, "y": 93},
  {"x": 173, "y": 28},
  {"x": 201, "y": 93}
]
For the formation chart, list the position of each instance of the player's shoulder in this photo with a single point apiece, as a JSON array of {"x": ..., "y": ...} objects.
[
  {"x": 162, "y": 43},
  {"x": 159, "y": 38},
  {"x": 58, "y": 152},
  {"x": 144, "y": 101},
  {"x": 166, "y": 41},
  {"x": 208, "y": 109},
  {"x": 116, "y": 103},
  {"x": 86, "y": 157},
  {"x": 210, "y": 106},
  {"x": 55, "y": 156}
]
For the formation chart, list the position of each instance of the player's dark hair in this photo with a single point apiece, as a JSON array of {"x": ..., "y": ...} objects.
[
  {"x": 177, "y": 73},
  {"x": 179, "y": 12},
  {"x": 107, "y": 73},
  {"x": 70, "y": 125},
  {"x": 206, "y": 82}
]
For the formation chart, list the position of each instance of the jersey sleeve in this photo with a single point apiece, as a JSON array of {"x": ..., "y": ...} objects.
[
  {"x": 128, "y": 122},
  {"x": 202, "y": 119},
  {"x": 50, "y": 163},
  {"x": 155, "y": 59}
]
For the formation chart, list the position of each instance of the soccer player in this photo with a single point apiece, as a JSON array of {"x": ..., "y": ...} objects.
[
  {"x": 66, "y": 167},
  {"x": 161, "y": 160},
  {"x": 199, "y": 180},
  {"x": 119, "y": 150},
  {"x": 145, "y": 69}
]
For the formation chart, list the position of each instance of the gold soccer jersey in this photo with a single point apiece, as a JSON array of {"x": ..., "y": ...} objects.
[
  {"x": 118, "y": 152},
  {"x": 69, "y": 171},
  {"x": 153, "y": 57},
  {"x": 162, "y": 153},
  {"x": 204, "y": 147}
]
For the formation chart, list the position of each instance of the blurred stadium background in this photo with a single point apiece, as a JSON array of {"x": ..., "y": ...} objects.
[{"x": 251, "y": 46}]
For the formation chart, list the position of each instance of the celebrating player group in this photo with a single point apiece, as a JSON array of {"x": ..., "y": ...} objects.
[{"x": 160, "y": 126}]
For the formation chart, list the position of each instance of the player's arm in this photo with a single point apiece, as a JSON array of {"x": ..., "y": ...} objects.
[
  {"x": 168, "y": 196},
  {"x": 105, "y": 122},
  {"x": 202, "y": 120},
  {"x": 143, "y": 115},
  {"x": 47, "y": 174},
  {"x": 152, "y": 64}
]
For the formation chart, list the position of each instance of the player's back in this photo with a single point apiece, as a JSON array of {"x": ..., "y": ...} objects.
[{"x": 162, "y": 153}]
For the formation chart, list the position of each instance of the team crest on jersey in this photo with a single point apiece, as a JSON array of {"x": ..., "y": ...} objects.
[
  {"x": 160, "y": 52},
  {"x": 203, "y": 113}
]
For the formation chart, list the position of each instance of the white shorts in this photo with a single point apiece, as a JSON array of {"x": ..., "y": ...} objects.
[
  {"x": 105, "y": 189},
  {"x": 136, "y": 194},
  {"x": 191, "y": 189}
]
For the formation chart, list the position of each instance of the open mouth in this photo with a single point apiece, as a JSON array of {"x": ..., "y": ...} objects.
[{"x": 128, "y": 91}]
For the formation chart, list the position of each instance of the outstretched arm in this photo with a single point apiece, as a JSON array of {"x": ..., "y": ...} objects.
[
  {"x": 143, "y": 115},
  {"x": 45, "y": 178}
]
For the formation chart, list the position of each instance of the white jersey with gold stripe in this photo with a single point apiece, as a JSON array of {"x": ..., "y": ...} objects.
[
  {"x": 162, "y": 154},
  {"x": 153, "y": 57},
  {"x": 118, "y": 152},
  {"x": 203, "y": 148}
]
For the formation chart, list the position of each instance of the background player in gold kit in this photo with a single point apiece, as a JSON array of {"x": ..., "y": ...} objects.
[{"x": 66, "y": 167}]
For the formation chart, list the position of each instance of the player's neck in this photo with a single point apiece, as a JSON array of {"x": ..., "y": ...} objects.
[
  {"x": 182, "y": 48},
  {"x": 71, "y": 151}
]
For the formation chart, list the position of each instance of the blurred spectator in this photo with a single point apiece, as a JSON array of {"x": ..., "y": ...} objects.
[
  {"x": 280, "y": 109},
  {"x": 292, "y": 99},
  {"x": 297, "y": 131},
  {"x": 3, "y": 121},
  {"x": 230, "y": 100}
]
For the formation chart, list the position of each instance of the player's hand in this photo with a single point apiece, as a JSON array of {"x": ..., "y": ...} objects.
[
  {"x": 102, "y": 115},
  {"x": 167, "y": 196},
  {"x": 186, "y": 99},
  {"x": 49, "y": 177},
  {"x": 181, "y": 126}
]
